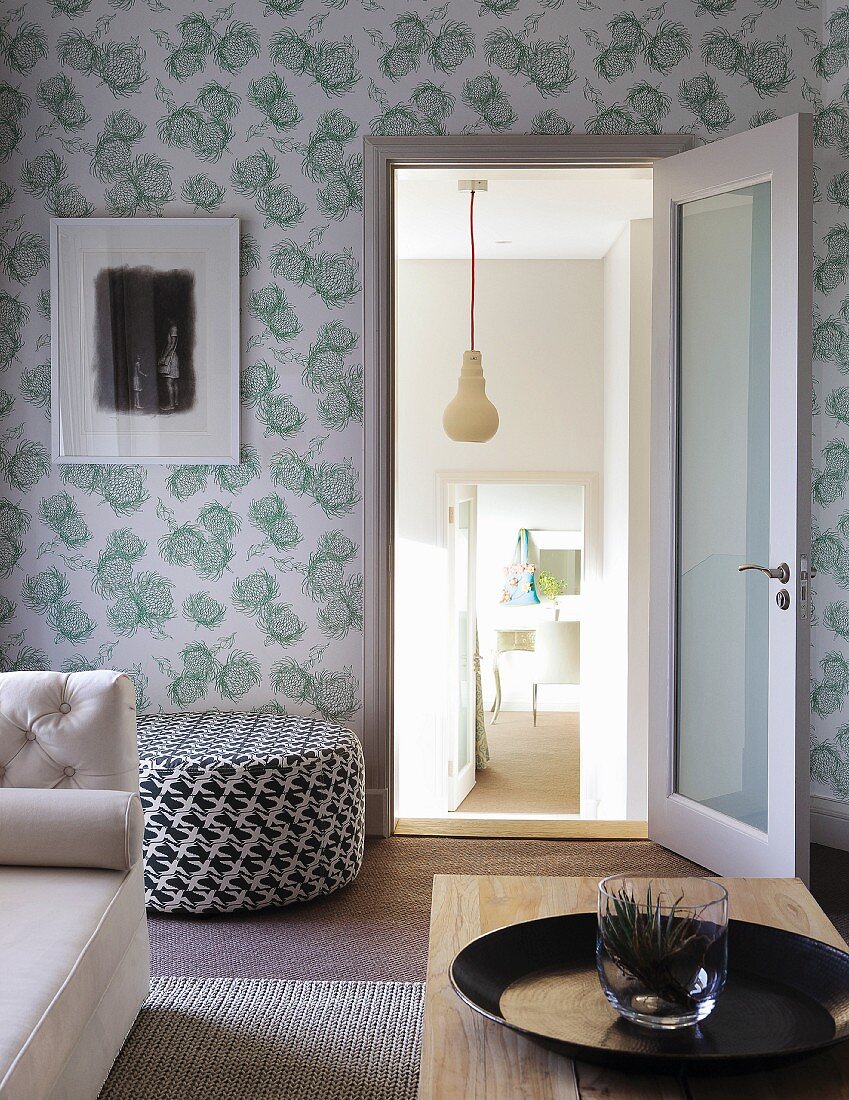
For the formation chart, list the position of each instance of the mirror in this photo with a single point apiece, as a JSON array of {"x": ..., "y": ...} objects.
[
  {"x": 558, "y": 569},
  {"x": 557, "y": 556}
]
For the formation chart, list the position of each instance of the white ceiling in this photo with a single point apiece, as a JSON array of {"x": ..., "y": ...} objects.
[{"x": 565, "y": 213}]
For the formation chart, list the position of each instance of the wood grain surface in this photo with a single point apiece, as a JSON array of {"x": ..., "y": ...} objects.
[
  {"x": 523, "y": 827},
  {"x": 465, "y": 1057}
]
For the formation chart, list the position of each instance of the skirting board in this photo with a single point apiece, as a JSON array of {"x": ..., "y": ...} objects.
[
  {"x": 377, "y": 811},
  {"x": 830, "y": 822}
]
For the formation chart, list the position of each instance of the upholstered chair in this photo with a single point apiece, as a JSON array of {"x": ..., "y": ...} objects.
[
  {"x": 557, "y": 655},
  {"x": 74, "y": 951}
]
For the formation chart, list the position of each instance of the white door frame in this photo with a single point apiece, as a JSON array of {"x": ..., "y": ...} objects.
[
  {"x": 711, "y": 838},
  {"x": 382, "y": 157},
  {"x": 591, "y": 562},
  {"x": 458, "y": 782}
]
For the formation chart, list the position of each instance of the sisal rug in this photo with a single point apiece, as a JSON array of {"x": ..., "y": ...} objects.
[
  {"x": 216, "y": 1039},
  {"x": 534, "y": 769},
  {"x": 376, "y": 929}
]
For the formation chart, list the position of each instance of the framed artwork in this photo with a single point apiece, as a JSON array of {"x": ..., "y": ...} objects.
[{"x": 145, "y": 340}]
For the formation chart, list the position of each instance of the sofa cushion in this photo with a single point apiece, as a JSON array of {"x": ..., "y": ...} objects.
[
  {"x": 63, "y": 933},
  {"x": 44, "y": 827},
  {"x": 72, "y": 730}
]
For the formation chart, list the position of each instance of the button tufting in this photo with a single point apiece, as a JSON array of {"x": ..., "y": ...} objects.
[
  {"x": 30, "y": 736},
  {"x": 69, "y": 771},
  {"x": 2, "y": 771},
  {"x": 65, "y": 707}
]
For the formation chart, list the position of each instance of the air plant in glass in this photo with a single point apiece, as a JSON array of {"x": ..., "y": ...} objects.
[{"x": 662, "y": 948}]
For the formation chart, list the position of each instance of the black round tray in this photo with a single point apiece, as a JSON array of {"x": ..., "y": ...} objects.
[{"x": 786, "y": 996}]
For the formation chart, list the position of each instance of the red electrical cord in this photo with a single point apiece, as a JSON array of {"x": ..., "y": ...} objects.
[{"x": 472, "y": 236}]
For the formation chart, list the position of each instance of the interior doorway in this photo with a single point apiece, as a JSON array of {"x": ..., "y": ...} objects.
[
  {"x": 523, "y": 710},
  {"x": 505, "y": 717},
  {"x": 384, "y": 159},
  {"x": 698, "y": 194},
  {"x": 517, "y": 751}
]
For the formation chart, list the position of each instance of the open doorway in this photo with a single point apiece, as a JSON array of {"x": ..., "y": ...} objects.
[
  {"x": 708, "y": 278},
  {"x": 525, "y": 673},
  {"x": 523, "y": 714}
]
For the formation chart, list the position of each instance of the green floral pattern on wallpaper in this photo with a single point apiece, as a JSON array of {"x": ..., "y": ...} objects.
[{"x": 242, "y": 586}]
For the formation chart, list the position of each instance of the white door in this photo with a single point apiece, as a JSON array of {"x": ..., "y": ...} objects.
[
  {"x": 731, "y": 463},
  {"x": 462, "y": 649}
]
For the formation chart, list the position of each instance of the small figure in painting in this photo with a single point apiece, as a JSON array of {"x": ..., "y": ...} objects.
[
  {"x": 145, "y": 341},
  {"x": 168, "y": 366},
  {"x": 138, "y": 383}
]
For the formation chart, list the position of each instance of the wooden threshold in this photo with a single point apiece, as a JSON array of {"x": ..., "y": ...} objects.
[{"x": 539, "y": 828}]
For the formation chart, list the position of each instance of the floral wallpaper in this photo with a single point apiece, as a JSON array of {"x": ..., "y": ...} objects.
[
  {"x": 828, "y": 96},
  {"x": 242, "y": 586}
]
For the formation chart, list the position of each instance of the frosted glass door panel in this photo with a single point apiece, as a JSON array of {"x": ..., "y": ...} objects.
[{"x": 723, "y": 507}]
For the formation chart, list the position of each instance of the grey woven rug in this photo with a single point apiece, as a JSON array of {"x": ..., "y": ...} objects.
[{"x": 225, "y": 1039}]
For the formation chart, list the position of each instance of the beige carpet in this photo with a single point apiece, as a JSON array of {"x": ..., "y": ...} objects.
[{"x": 533, "y": 770}]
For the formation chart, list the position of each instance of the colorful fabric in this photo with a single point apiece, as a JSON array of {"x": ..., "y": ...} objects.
[{"x": 519, "y": 587}]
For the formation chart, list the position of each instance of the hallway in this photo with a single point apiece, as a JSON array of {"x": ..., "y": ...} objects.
[{"x": 532, "y": 770}]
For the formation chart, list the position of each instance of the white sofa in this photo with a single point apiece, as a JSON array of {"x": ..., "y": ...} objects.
[{"x": 74, "y": 954}]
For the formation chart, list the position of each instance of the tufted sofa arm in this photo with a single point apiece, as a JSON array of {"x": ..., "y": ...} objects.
[
  {"x": 66, "y": 828},
  {"x": 71, "y": 730}
]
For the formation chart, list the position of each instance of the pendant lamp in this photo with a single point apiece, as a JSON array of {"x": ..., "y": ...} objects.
[{"x": 471, "y": 417}]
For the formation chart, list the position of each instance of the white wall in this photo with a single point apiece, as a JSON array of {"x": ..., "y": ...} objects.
[
  {"x": 502, "y": 509},
  {"x": 540, "y": 331},
  {"x": 639, "y": 476},
  {"x": 608, "y": 695},
  {"x": 615, "y": 694}
]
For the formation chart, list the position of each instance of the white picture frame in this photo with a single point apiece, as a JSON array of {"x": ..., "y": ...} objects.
[{"x": 144, "y": 328}]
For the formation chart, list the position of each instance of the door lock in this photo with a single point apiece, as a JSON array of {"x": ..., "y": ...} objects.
[
  {"x": 782, "y": 598},
  {"x": 806, "y": 571},
  {"x": 779, "y": 573}
]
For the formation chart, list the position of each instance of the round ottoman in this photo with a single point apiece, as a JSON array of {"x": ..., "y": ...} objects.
[{"x": 244, "y": 811}]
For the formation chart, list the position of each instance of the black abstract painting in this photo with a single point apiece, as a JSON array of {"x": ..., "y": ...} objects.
[{"x": 145, "y": 340}]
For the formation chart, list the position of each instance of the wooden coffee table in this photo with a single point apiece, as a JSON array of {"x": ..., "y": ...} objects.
[{"x": 465, "y": 1057}]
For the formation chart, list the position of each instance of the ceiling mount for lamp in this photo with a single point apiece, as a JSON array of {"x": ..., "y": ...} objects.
[{"x": 471, "y": 417}]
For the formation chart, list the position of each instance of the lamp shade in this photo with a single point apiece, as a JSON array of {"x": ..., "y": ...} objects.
[{"x": 470, "y": 417}]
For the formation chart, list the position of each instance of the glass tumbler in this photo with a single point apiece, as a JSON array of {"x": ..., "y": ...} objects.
[{"x": 662, "y": 948}]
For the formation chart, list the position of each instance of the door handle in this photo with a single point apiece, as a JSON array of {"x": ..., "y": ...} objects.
[{"x": 779, "y": 573}]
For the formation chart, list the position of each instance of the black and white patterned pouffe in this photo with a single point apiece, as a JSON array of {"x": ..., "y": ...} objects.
[{"x": 244, "y": 811}]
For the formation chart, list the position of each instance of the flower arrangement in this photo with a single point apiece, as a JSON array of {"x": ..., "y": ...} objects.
[{"x": 550, "y": 586}]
